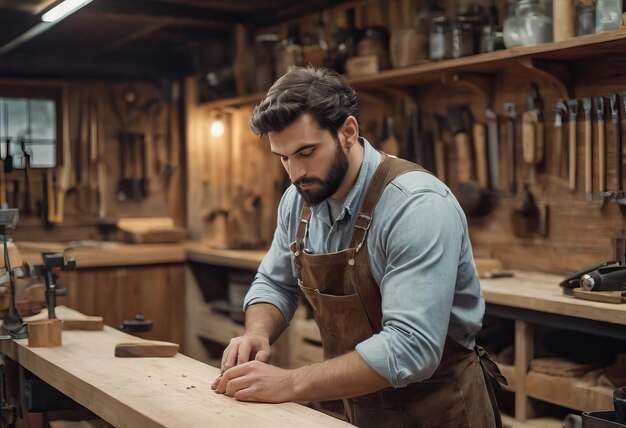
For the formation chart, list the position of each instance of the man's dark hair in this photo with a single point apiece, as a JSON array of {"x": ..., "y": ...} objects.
[{"x": 321, "y": 92}]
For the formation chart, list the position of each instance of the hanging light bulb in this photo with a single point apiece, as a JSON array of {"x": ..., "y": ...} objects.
[{"x": 217, "y": 127}]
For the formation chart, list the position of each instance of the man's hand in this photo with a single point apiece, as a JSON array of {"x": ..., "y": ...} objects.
[
  {"x": 256, "y": 381},
  {"x": 243, "y": 349}
]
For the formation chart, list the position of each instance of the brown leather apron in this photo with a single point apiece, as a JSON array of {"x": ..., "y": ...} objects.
[{"x": 347, "y": 308}]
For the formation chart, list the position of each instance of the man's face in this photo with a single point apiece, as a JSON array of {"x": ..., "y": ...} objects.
[{"x": 313, "y": 158}]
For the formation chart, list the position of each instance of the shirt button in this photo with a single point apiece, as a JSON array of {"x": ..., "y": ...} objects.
[{"x": 351, "y": 262}]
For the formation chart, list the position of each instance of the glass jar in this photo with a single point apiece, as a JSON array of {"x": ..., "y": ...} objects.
[
  {"x": 529, "y": 24},
  {"x": 586, "y": 17},
  {"x": 439, "y": 38},
  {"x": 608, "y": 15},
  {"x": 461, "y": 39}
]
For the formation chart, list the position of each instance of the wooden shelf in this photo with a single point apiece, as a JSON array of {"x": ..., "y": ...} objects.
[
  {"x": 216, "y": 327},
  {"x": 568, "y": 392},
  {"x": 589, "y": 46}
]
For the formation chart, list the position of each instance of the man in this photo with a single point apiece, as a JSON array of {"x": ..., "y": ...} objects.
[{"x": 380, "y": 248}]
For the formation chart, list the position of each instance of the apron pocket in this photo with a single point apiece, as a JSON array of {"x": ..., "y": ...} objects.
[{"x": 342, "y": 321}]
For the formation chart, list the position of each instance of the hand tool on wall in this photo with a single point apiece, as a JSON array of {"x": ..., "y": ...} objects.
[
  {"x": 473, "y": 198},
  {"x": 619, "y": 151},
  {"x": 479, "y": 136},
  {"x": 8, "y": 158},
  {"x": 26, "y": 208},
  {"x": 532, "y": 132},
  {"x": 588, "y": 140},
  {"x": 123, "y": 192},
  {"x": 493, "y": 145},
  {"x": 510, "y": 114},
  {"x": 98, "y": 161},
  {"x": 601, "y": 142},
  {"x": 64, "y": 173},
  {"x": 82, "y": 157},
  {"x": 135, "y": 162},
  {"x": 92, "y": 171},
  {"x": 525, "y": 220},
  {"x": 613, "y": 139},
  {"x": 572, "y": 107},
  {"x": 560, "y": 151}
]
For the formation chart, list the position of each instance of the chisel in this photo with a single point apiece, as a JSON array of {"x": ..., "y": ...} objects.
[
  {"x": 588, "y": 138},
  {"x": 560, "y": 154},
  {"x": 601, "y": 136},
  {"x": 509, "y": 112},
  {"x": 573, "y": 115},
  {"x": 493, "y": 146}
]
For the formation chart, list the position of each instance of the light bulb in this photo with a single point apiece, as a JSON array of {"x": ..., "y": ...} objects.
[{"x": 217, "y": 128}]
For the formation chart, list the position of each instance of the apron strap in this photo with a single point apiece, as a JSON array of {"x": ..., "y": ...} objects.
[
  {"x": 303, "y": 225},
  {"x": 493, "y": 380},
  {"x": 390, "y": 168}
]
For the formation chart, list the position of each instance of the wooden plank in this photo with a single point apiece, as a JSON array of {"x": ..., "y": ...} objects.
[
  {"x": 569, "y": 392},
  {"x": 151, "y": 392}
]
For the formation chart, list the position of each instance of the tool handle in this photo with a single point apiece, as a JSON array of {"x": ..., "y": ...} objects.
[
  {"x": 613, "y": 138},
  {"x": 572, "y": 154},
  {"x": 480, "y": 152},
  {"x": 529, "y": 141},
  {"x": 510, "y": 126},
  {"x": 601, "y": 157},
  {"x": 588, "y": 158},
  {"x": 464, "y": 157},
  {"x": 558, "y": 149},
  {"x": 540, "y": 142}
]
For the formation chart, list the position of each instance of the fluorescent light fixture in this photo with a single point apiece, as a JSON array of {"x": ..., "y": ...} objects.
[
  {"x": 50, "y": 19},
  {"x": 63, "y": 9}
]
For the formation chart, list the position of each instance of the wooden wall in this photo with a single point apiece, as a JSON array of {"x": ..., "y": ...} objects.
[
  {"x": 580, "y": 233},
  {"x": 153, "y": 112}
]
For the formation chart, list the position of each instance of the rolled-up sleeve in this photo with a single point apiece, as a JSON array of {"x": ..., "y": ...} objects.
[
  {"x": 420, "y": 241},
  {"x": 275, "y": 282}
]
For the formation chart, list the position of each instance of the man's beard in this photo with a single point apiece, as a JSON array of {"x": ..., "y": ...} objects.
[{"x": 336, "y": 173}]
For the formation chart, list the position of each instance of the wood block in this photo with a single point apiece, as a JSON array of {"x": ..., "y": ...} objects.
[
  {"x": 88, "y": 323},
  {"x": 146, "y": 348},
  {"x": 601, "y": 296},
  {"x": 44, "y": 333}
]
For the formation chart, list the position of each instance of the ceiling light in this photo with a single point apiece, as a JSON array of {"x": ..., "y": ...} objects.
[{"x": 63, "y": 9}]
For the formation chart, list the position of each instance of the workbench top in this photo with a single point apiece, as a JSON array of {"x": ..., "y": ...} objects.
[
  {"x": 525, "y": 290},
  {"x": 91, "y": 254},
  {"x": 541, "y": 292},
  {"x": 148, "y": 392}
]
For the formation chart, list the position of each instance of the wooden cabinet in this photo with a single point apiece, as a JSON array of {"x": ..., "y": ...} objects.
[{"x": 118, "y": 293}]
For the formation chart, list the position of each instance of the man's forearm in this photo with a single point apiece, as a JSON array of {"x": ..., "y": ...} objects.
[
  {"x": 342, "y": 377},
  {"x": 264, "y": 319}
]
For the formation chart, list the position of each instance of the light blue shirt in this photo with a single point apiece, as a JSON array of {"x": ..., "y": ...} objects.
[{"x": 420, "y": 256}]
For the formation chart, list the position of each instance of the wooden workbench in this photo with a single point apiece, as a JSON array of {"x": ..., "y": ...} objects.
[
  {"x": 528, "y": 298},
  {"x": 148, "y": 392}
]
